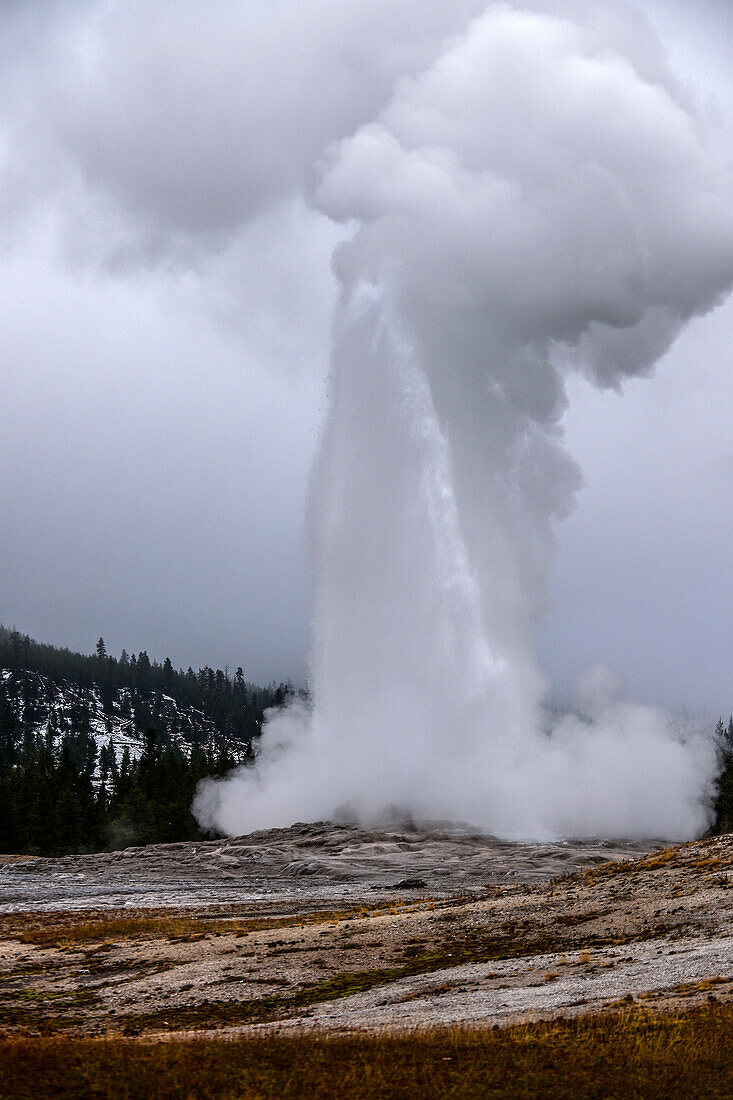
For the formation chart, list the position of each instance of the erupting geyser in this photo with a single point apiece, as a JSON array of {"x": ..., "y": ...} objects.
[{"x": 540, "y": 200}]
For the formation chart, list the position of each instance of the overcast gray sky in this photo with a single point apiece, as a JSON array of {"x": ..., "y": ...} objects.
[{"x": 164, "y": 332}]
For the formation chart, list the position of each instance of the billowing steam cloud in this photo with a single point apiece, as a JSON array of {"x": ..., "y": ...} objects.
[{"x": 538, "y": 200}]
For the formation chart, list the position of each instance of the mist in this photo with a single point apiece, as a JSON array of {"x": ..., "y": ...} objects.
[{"x": 539, "y": 200}]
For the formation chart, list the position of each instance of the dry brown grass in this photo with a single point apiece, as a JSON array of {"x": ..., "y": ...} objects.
[
  {"x": 655, "y": 861},
  {"x": 697, "y": 856},
  {"x": 633, "y": 1054},
  {"x": 68, "y": 928}
]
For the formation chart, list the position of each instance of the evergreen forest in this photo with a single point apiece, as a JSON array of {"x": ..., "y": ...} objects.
[{"x": 98, "y": 752}]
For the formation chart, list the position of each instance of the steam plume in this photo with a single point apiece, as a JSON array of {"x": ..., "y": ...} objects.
[{"x": 538, "y": 201}]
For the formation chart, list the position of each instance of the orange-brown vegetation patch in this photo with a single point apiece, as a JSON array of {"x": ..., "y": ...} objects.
[
  {"x": 72, "y": 927},
  {"x": 631, "y": 1054}
]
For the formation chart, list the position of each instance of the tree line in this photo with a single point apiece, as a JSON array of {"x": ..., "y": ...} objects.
[
  {"x": 63, "y": 790},
  {"x": 723, "y": 802},
  {"x": 54, "y": 800},
  {"x": 234, "y": 705}
]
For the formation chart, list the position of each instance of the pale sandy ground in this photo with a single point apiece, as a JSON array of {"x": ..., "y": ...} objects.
[{"x": 300, "y": 936}]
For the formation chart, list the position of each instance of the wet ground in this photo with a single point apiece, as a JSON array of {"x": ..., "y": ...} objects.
[{"x": 304, "y": 861}]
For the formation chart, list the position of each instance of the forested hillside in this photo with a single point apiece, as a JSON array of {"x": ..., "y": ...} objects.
[{"x": 98, "y": 752}]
